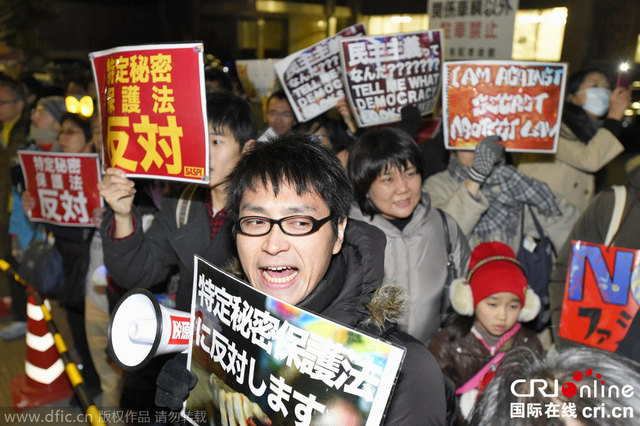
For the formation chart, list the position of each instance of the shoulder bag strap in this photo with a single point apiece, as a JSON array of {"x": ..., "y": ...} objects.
[
  {"x": 184, "y": 204},
  {"x": 451, "y": 269},
  {"x": 539, "y": 228},
  {"x": 620, "y": 199}
]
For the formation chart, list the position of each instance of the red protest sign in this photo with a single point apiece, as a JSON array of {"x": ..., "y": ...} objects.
[
  {"x": 602, "y": 294},
  {"x": 64, "y": 186},
  {"x": 519, "y": 101},
  {"x": 152, "y": 107},
  {"x": 385, "y": 73}
]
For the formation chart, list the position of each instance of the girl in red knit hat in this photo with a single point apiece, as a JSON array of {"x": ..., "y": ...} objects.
[{"x": 493, "y": 300}]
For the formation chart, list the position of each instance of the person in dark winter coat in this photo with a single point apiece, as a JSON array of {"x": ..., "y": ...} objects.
[
  {"x": 496, "y": 294},
  {"x": 289, "y": 200},
  {"x": 192, "y": 220}
]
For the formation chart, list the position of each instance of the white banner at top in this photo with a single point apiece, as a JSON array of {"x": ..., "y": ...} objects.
[{"x": 474, "y": 29}]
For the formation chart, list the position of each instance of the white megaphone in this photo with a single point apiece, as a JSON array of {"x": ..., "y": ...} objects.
[{"x": 141, "y": 328}]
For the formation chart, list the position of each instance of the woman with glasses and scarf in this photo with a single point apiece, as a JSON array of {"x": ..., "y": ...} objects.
[{"x": 591, "y": 125}]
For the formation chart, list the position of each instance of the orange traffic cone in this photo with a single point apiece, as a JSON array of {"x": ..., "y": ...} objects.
[{"x": 45, "y": 380}]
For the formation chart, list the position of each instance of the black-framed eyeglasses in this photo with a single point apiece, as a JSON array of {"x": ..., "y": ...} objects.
[{"x": 298, "y": 225}]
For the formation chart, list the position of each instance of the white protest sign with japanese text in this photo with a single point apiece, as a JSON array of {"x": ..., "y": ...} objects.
[
  {"x": 474, "y": 29},
  {"x": 64, "y": 186},
  {"x": 385, "y": 73},
  {"x": 311, "y": 77},
  {"x": 298, "y": 367}
]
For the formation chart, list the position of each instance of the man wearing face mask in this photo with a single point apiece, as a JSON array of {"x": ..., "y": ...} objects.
[{"x": 591, "y": 124}]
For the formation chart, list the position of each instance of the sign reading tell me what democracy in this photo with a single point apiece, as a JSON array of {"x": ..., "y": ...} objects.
[
  {"x": 383, "y": 74},
  {"x": 298, "y": 367},
  {"x": 152, "y": 109}
]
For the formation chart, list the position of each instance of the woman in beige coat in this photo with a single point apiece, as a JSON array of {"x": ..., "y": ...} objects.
[{"x": 588, "y": 138}]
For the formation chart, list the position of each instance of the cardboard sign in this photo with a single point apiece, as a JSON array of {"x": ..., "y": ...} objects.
[
  {"x": 602, "y": 294},
  {"x": 475, "y": 29},
  {"x": 518, "y": 101},
  {"x": 152, "y": 108},
  {"x": 258, "y": 78},
  {"x": 65, "y": 186},
  {"x": 385, "y": 73},
  {"x": 298, "y": 367},
  {"x": 312, "y": 78}
]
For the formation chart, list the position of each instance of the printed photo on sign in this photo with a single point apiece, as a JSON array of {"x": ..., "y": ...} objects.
[
  {"x": 312, "y": 78},
  {"x": 291, "y": 366},
  {"x": 383, "y": 74},
  {"x": 519, "y": 101},
  {"x": 152, "y": 108},
  {"x": 602, "y": 294},
  {"x": 64, "y": 186},
  {"x": 474, "y": 29}
]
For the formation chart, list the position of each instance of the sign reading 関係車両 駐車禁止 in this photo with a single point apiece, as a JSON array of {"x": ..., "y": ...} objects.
[
  {"x": 474, "y": 29},
  {"x": 295, "y": 366}
]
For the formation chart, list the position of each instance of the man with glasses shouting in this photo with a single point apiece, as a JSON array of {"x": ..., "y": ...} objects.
[{"x": 288, "y": 200}]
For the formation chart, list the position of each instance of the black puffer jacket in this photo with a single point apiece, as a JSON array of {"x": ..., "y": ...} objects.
[{"x": 352, "y": 293}]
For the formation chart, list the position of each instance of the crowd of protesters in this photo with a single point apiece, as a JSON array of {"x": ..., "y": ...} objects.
[{"x": 443, "y": 236}]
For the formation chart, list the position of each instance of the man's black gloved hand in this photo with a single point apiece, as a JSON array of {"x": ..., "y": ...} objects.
[
  {"x": 410, "y": 120},
  {"x": 489, "y": 151},
  {"x": 174, "y": 383}
]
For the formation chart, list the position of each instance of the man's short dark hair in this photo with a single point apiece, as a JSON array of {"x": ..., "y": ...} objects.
[
  {"x": 373, "y": 153},
  {"x": 293, "y": 159},
  {"x": 279, "y": 94},
  {"x": 228, "y": 110}
]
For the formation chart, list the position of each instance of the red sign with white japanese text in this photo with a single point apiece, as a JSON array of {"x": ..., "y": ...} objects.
[
  {"x": 153, "y": 110},
  {"x": 64, "y": 186},
  {"x": 519, "y": 101},
  {"x": 602, "y": 294},
  {"x": 383, "y": 74}
]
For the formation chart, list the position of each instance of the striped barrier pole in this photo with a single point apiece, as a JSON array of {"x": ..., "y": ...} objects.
[{"x": 93, "y": 414}]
